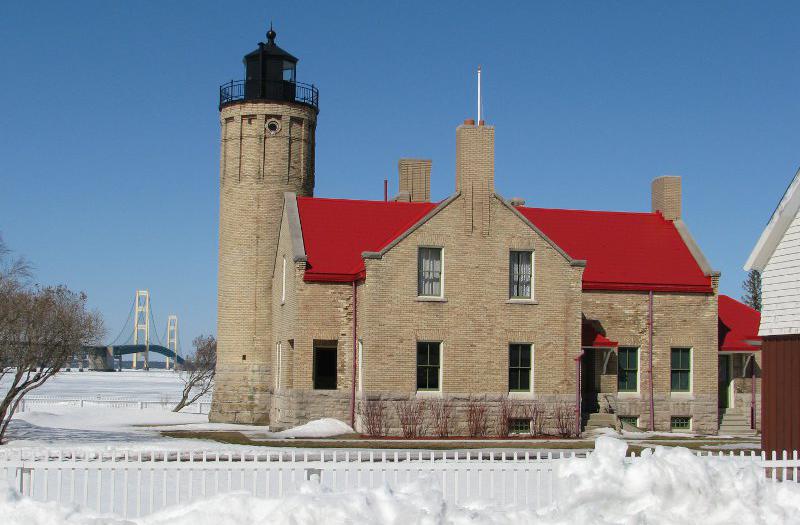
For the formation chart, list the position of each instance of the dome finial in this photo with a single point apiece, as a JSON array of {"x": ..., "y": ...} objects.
[{"x": 271, "y": 35}]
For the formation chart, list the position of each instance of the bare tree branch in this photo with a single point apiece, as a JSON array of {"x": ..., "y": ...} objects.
[{"x": 198, "y": 371}]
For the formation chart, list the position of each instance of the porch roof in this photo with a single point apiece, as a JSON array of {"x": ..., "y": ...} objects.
[{"x": 738, "y": 326}]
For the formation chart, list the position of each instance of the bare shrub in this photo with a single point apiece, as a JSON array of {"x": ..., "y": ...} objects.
[
  {"x": 197, "y": 372},
  {"x": 373, "y": 417},
  {"x": 508, "y": 410},
  {"x": 564, "y": 415},
  {"x": 441, "y": 411},
  {"x": 538, "y": 416},
  {"x": 476, "y": 417},
  {"x": 41, "y": 329},
  {"x": 411, "y": 413}
]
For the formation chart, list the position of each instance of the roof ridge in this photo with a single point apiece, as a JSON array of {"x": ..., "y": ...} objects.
[
  {"x": 648, "y": 213},
  {"x": 381, "y": 201}
]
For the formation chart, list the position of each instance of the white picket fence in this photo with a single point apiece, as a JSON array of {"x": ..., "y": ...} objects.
[
  {"x": 201, "y": 406},
  {"x": 133, "y": 484}
]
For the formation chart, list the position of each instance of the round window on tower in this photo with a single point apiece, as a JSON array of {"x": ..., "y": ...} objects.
[{"x": 273, "y": 126}]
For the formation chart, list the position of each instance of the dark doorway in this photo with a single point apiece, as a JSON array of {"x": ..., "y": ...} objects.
[
  {"x": 324, "y": 367},
  {"x": 724, "y": 381},
  {"x": 589, "y": 403}
]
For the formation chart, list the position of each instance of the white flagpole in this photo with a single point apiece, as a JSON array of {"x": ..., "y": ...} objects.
[{"x": 479, "y": 94}]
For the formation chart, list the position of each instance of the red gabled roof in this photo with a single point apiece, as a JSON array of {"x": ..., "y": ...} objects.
[
  {"x": 622, "y": 250},
  {"x": 337, "y": 231},
  {"x": 738, "y": 324}
]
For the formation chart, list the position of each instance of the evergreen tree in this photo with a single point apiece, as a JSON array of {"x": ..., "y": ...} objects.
[{"x": 752, "y": 290}]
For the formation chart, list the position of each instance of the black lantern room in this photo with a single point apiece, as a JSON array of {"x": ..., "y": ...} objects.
[{"x": 270, "y": 75}]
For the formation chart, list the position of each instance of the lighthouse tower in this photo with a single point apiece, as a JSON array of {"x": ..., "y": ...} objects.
[{"x": 268, "y": 122}]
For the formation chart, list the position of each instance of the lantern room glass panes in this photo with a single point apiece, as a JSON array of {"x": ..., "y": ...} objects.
[{"x": 288, "y": 71}]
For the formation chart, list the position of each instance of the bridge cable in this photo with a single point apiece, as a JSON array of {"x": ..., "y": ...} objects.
[{"x": 130, "y": 316}]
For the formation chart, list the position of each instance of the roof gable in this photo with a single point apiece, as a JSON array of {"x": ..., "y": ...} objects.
[
  {"x": 738, "y": 325},
  {"x": 779, "y": 222},
  {"x": 337, "y": 231},
  {"x": 623, "y": 250}
]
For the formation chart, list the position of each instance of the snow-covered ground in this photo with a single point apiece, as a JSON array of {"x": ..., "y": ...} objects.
[
  {"x": 667, "y": 486},
  {"x": 153, "y": 385}
]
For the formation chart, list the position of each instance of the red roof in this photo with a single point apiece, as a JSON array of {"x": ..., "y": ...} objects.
[
  {"x": 738, "y": 323},
  {"x": 622, "y": 250},
  {"x": 337, "y": 231}
]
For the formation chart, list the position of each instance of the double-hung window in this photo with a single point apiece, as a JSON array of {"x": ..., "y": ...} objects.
[
  {"x": 519, "y": 367},
  {"x": 429, "y": 272},
  {"x": 627, "y": 369},
  {"x": 520, "y": 275},
  {"x": 681, "y": 369},
  {"x": 429, "y": 362}
]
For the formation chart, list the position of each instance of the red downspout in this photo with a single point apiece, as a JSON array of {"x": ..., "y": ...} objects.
[
  {"x": 753, "y": 395},
  {"x": 650, "y": 371},
  {"x": 355, "y": 356},
  {"x": 578, "y": 393}
]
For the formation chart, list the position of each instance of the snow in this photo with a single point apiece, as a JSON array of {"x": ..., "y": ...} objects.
[
  {"x": 153, "y": 385},
  {"x": 664, "y": 486},
  {"x": 319, "y": 428}
]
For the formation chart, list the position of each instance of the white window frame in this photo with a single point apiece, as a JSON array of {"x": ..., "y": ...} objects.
[
  {"x": 690, "y": 392},
  {"x": 638, "y": 391},
  {"x": 524, "y": 393},
  {"x": 279, "y": 367},
  {"x": 532, "y": 298},
  {"x": 441, "y": 369},
  {"x": 441, "y": 276},
  {"x": 360, "y": 357},
  {"x": 283, "y": 282}
]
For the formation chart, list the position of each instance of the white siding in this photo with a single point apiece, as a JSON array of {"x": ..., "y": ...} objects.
[{"x": 780, "y": 286}]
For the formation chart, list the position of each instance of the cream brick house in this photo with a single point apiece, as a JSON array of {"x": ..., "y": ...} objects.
[{"x": 326, "y": 303}]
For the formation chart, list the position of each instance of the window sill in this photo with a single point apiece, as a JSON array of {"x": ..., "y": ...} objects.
[
  {"x": 629, "y": 395},
  {"x": 520, "y": 395},
  {"x": 429, "y": 393},
  {"x": 522, "y": 301},
  {"x": 426, "y": 299},
  {"x": 682, "y": 396}
]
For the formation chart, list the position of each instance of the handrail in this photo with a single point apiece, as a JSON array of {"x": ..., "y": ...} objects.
[{"x": 280, "y": 90}]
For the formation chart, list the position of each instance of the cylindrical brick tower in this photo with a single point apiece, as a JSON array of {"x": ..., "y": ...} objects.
[{"x": 268, "y": 122}]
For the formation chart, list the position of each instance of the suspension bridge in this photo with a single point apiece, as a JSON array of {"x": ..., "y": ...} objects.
[{"x": 138, "y": 338}]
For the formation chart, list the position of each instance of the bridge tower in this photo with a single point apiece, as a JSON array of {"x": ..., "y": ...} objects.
[
  {"x": 268, "y": 126},
  {"x": 141, "y": 326},
  {"x": 172, "y": 338}
]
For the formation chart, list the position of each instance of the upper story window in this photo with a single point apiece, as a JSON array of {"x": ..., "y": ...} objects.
[
  {"x": 429, "y": 272},
  {"x": 283, "y": 282},
  {"x": 520, "y": 275}
]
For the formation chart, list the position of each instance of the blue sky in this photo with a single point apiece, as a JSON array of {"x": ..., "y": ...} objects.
[{"x": 110, "y": 136}]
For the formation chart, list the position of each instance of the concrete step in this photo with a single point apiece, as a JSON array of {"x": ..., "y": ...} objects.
[{"x": 598, "y": 420}]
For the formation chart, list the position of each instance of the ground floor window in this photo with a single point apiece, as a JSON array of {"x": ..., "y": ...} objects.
[
  {"x": 681, "y": 369},
  {"x": 429, "y": 361},
  {"x": 324, "y": 366},
  {"x": 519, "y": 426},
  {"x": 519, "y": 367},
  {"x": 680, "y": 423},
  {"x": 629, "y": 420},
  {"x": 627, "y": 369}
]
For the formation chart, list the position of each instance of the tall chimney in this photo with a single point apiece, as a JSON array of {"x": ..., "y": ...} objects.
[
  {"x": 475, "y": 173},
  {"x": 666, "y": 196},
  {"x": 415, "y": 178}
]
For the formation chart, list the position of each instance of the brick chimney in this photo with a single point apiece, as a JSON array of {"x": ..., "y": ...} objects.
[
  {"x": 475, "y": 173},
  {"x": 666, "y": 196},
  {"x": 415, "y": 178}
]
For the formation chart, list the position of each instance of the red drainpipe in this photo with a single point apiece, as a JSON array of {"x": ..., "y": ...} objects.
[
  {"x": 753, "y": 395},
  {"x": 578, "y": 393},
  {"x": 355, "y": 356},
  {"x": 650, "y": 371}
]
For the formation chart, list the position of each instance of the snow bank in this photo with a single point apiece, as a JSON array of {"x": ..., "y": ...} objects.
[
  {"x": 319, "y": 428},
  {"x": 670, "y": 485}
]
